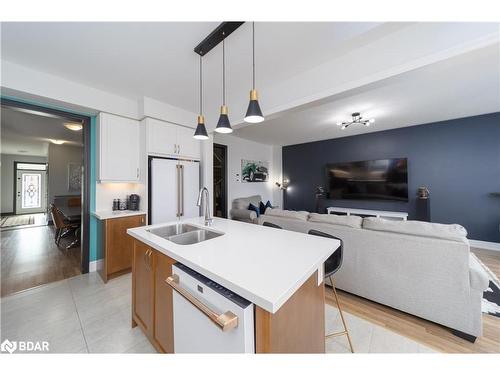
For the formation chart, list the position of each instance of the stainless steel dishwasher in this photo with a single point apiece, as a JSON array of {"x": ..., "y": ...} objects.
[{"x": 209, "y": 318}]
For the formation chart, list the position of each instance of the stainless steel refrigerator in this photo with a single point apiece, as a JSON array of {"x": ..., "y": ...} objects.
[{"x": 173, "y": 189}]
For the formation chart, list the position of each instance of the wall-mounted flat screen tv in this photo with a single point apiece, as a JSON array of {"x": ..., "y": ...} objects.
[{"x": 385, "y": 179}]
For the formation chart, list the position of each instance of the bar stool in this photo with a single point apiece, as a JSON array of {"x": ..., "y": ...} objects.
[
  {"x": 271, "y": 225},
  {"x": 332, "y": 265}
]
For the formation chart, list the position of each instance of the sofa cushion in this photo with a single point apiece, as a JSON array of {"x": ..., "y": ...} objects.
[
  {"x": 347, "y": 221},
  {"x": 454, "y": 232},
  {"x": 299, "y": 215},
  {"x": 242, "y": 203}
]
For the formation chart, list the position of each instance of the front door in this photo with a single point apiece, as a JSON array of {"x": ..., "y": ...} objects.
[{"x": 31, "y": 191}]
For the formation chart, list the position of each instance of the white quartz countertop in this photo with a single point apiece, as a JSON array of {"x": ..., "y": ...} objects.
[
  {"x": 104, "y": 215},
  {"x": 264, "y": 265}
]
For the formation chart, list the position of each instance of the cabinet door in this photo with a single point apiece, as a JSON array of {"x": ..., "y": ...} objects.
[
  {"x": 188, "y": 146},
  {"x": 162, "y": 137},
  {"x": 143, "y": 287},
  {"x": 164, "y": 318},
  {"x": 119, "y": 245},
  {"x": 118, "y": 148}
]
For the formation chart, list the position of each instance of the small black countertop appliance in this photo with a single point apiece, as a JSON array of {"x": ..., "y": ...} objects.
[{"x": 133, "y": 202}]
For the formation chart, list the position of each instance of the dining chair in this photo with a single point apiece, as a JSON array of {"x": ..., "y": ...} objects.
[{"x": 62, "y": 226}]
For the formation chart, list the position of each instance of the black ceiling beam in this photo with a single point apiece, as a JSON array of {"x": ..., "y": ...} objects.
[{"x": 215, "y": 37}]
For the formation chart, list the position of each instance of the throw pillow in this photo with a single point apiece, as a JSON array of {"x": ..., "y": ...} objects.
[
  {"x": 269, "y": 205},
  {"x": 262, "y": 208},
  {"x": 251, "y": 207}
]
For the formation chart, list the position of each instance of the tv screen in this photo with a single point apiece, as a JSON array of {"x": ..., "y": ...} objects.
[{"x": 385, "y": 179}]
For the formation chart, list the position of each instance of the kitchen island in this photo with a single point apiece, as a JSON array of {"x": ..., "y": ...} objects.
[{"x": 280, "y": 272}]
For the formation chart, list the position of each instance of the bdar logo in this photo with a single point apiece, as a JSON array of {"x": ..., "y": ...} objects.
[{"x": 8, "y": 346}]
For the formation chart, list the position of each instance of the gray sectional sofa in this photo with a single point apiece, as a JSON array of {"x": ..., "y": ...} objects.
[
  {"x": 239, "y": 209},
  {"x": 424, "y": 269}
]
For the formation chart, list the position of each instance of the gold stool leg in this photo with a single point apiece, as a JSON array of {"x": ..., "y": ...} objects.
[{"x": 345, "y": 332}]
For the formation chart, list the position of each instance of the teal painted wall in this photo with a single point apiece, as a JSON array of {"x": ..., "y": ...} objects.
[
  {"x": 95, "y": 251},
  {"x": 95, "y": 227}
]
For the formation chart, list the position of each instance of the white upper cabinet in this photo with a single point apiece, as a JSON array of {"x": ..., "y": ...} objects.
[
  {"x": 166, "y": 139},
  {"x": 119, "y": 145}
]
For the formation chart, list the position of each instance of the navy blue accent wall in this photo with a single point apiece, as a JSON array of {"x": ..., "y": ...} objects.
[{"x": 458, "y": 160}]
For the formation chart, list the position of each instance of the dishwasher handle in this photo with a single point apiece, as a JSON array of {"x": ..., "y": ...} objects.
[{"x": 225, "y": 322}]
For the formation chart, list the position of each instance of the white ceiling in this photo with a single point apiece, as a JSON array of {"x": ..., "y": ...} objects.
[
  {"x": 30, "y": 134},
  {"x": 156, "y": 60},
  {"x": 297, "y": 64},
  {"x": 462, "y": 86}
]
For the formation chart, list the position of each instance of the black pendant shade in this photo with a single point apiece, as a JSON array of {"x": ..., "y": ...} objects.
[
  {"x": 254, "y": 113},
  {"x": 201, "y": 130},
  {"x": 223, "y": 125}
]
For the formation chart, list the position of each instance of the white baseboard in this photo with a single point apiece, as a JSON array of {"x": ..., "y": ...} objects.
[
  {"x": 494, "y": 246},
  {"x": 94, "y": 265}
]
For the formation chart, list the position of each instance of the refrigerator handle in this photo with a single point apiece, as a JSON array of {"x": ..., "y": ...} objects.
[
  {"x": 177, "y": 169},
  {"x": 182, "y": 190}
]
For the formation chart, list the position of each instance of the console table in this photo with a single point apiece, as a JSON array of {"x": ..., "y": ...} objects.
[{"x": 376, "y": 213}]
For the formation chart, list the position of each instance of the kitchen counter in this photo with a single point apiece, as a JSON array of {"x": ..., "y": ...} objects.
[
  {"x": 109, "y": 214},
  {"x": 264, "y": 265}
]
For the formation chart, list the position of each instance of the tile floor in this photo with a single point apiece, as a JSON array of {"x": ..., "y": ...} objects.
[
  {"x": 77, "y": 315},
  {"x": 84, "y": 315}
]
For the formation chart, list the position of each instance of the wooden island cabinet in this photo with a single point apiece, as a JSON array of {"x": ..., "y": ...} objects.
[
  {"x": 297, "y": 327},
  {"x": 152, "y": 308}
]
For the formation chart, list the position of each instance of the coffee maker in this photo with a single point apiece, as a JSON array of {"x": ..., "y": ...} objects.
[{"x": 133, "y": 202}]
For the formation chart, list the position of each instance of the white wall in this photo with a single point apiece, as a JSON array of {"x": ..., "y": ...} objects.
[
  {"x": 59, "y": 158},
  {"x": 106, "y": 192},
  {"x": 7, "y": 175},
  {"x": 239, "y": 148}
]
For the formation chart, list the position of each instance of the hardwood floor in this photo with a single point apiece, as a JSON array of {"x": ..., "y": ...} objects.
[
  {"x": 29, "y": 258},
  {"x": 423, "y": 331}
]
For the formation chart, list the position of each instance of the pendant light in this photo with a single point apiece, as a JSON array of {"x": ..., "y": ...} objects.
[
  {"x": 223, "y": 125},
  {"x": 201, "y": 131},
  {"x": 254, "y": 114}
]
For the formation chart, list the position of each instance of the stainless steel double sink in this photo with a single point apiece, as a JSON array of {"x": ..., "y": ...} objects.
[{"x": 184, "y": 234}]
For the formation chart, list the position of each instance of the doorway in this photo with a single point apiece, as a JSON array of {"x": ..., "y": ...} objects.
[
  {"x": 31, "y": 188},
  {"x": 46, "y": 155},
  {"x": 220, "y": 180}
]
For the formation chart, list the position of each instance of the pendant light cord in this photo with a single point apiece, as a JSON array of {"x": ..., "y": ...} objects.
[
  {"x": 201, "y": 88},
  {"x": 253, "y": 55},
  {"x": 223, "y": 72}
]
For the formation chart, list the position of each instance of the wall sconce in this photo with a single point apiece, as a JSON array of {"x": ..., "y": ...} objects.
[{"x": 283, "y": 185}]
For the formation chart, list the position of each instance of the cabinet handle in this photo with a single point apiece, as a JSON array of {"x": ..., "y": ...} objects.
[
  {"x": 150, "y": 263},
  {"x": 147, "y": 259},
  {"x": 137, "y": 170},
  {"x": 225, "y": 322}
]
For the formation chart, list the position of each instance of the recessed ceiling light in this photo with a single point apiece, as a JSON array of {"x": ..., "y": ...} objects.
[
  {"x": 57, "y": 141},
  {"x": 75, "y": 126}
]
